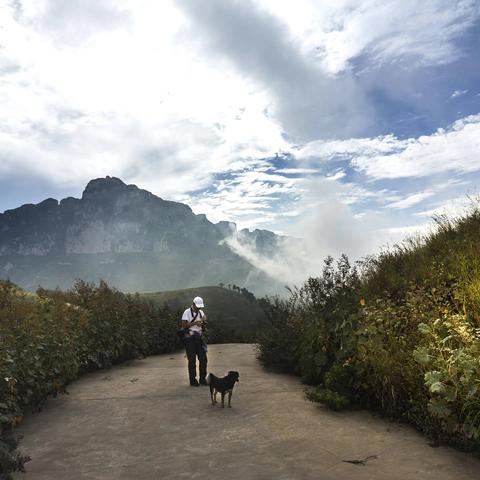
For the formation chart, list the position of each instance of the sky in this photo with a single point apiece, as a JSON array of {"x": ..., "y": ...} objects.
[{"x": 350, "y": 123}]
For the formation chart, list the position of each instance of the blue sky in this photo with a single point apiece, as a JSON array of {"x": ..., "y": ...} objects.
[{"x": 348, "y": 122}]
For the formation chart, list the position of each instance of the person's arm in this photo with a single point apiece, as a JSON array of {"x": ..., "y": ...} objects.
[{"x": 187, "y": 324}]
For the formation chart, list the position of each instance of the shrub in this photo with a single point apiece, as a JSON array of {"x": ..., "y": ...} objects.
[
  {"x": 49, "y": 339},
  {"x": 401, "y": 337},
  {"x": 329, "y": 398},
  {"x": 277, "y": 347}
]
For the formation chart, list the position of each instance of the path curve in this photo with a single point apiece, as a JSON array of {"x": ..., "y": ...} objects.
[{"x": 142, "y": 421}]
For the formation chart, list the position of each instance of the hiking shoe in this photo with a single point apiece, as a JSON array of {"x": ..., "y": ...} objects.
[{"x": 194, "y": 384}]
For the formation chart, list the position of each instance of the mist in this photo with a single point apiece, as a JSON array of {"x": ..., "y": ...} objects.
[{"x": 327, "y": 226}]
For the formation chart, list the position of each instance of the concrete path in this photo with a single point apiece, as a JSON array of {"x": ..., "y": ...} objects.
[{"x": 142, "y": 421}]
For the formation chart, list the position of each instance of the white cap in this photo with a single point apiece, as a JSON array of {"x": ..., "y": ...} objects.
[{"x": 198, "y": 301}]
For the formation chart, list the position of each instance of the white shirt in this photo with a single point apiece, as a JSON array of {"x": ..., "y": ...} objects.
[{"x": 187, "y": 315}]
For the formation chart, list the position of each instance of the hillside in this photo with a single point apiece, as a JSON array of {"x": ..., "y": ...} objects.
[
  {"x": 231, "y": 315},
  {"x": 401, "y": 336},
  {"x": 129, "y": 237}
]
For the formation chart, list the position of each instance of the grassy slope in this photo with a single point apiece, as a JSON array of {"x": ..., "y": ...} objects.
[
  {"x": 231, "y": 316},
  {"x": 404, "y": 338}
]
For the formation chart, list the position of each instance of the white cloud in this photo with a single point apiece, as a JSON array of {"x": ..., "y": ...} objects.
[
  {"x": 390, "y": 31},
  {"x": 336, "y": 176},
  {"x": 453, "y": 207},
  {"x": 458, "y": 93},
  {"x": 131, "y": 99},
  {"x": 437, "y": 188},
  {"x": 72, "y": 22},
  {"x": 299, "y": 171},
  {"x": 131, "y": 89},
  {"x": 329, "y": 226},
  {"x": 388, "y": 237},
  {"x": 346, "y": 149},
  {"x": 307, "y": 102},
  {"x": 410, "y": 200},
  {"x": 291, "y": 263},
  {"x": 454, "y": 149},
  {"x": 251, "y": 197},
  {"x": 120, "y": 88}
]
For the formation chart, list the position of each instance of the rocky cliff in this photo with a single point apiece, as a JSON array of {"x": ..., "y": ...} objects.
[{"x": 131, "y": 238}]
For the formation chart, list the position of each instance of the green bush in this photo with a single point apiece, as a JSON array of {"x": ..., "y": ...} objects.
[
  {"x": 277, "y": 343},
  {"x": 449, "y": 356},
  {"x": 49, "y": 339},
  {"x": 329, "y": 398},
  {"x": 401, "y": 337}
]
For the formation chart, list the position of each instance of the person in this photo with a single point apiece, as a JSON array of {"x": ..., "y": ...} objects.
[{"x": 195, "y": 320}]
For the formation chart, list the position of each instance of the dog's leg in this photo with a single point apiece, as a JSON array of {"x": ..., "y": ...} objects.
[
  {"x": 223, "y": 399},
  {"x": 214, "y": 396},
  {"x": 229, "y": 398},
  {"x": 211, "y": 396}
]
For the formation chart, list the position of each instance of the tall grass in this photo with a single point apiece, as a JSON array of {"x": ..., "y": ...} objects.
[{"x": 401, "y": 335}]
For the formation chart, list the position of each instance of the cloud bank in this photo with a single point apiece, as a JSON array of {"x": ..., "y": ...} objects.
[
  {"x": 345, "y": 122},
  {"x": 305, "y": 100}
]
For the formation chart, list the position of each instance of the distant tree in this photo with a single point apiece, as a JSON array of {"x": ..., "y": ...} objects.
[{"x": 248, "y": 295}]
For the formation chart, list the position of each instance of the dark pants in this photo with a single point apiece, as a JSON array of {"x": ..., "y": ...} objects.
[{"x": 194, "y": 349}]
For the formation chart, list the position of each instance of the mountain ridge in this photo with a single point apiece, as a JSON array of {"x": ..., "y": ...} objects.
[{"x": 58, "y": 240}]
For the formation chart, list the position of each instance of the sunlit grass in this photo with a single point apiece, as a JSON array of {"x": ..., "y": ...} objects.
[{"x": 401, "y": 336}]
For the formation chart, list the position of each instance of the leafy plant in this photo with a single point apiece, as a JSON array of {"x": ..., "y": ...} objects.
[
  {"x": 49, "y": 339},
  {"x": 329, "y": 398},
  {"x": 401, "y": 335}
]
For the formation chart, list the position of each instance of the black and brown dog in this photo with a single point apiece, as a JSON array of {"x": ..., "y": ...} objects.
[{"x": 222, "y": 386}]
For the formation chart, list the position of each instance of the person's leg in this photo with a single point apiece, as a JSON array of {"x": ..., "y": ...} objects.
[
  {"x": 202, "y": 360},
  {"x": 191, "y": 350}
]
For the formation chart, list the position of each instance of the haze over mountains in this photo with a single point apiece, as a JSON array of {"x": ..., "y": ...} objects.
[{"x": 131, "y": 238}]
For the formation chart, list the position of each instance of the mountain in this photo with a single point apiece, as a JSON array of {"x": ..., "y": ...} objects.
[{"x": 131, "y": 238}]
